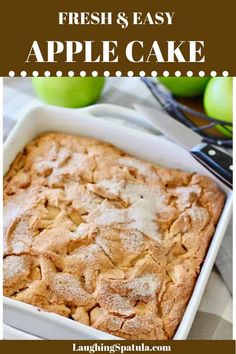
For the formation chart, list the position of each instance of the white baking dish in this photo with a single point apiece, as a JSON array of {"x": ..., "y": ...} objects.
[
  {"x": 11, "y": 333},
  {"x": 93, "y": 122}
]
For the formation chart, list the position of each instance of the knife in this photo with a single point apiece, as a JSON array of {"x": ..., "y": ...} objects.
[{"x": 216, "y": 161}]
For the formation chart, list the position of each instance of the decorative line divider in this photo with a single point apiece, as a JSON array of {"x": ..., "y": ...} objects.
[{"x": 118, "y": 73}]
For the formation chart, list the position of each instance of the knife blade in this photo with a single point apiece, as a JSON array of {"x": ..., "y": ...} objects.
[{"x": 216, "y": 161}]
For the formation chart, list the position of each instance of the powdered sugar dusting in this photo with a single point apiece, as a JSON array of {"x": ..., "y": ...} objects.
[
  {"x": 146, "y": 203},
  {"x": 18, "y": 206},
  {"x": 199, "y": 217},
  {"x": 141, "y": 166},
  {"x": 186, "y": 195},
  {"x": 22, "y": 237},
  {"x": 144, "y": 286},
  {"x": 132, "y": 241},
  {"x": 14, "y": 266},
  {"x": 88, "y": 253},
  {"x": 121, "y": 297},
  {"x": 69, "y": 288},
  {"x": 11, "y": 212},
  {"x": 113, "y": 301},
  {"x": 104, "y": 244},
  {"x": 119, "y": 304}
]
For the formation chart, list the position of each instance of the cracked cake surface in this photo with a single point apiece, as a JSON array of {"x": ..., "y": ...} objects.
[{"x": 103, "y": 238}]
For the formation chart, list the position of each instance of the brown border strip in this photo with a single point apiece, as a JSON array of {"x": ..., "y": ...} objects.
[
  {"x": 66, "y": 346},
  {"x": 23, "y": 22}
]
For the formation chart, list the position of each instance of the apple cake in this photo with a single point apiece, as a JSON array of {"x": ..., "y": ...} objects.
[{"x": 101, "y": 237}]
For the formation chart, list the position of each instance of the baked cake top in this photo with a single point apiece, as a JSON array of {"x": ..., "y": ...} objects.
[{"x": 99, "y": 236}]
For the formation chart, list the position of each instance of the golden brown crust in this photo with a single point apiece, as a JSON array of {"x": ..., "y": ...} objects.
[{"x": 104, "y": 238}]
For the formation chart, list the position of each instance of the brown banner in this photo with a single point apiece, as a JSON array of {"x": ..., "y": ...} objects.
[
  {"x": 117, "y": 36},
  {"x": 83, "y": 346}
]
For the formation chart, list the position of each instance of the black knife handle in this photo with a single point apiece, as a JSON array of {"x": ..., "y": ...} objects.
[{"x": 216, "y": 161}]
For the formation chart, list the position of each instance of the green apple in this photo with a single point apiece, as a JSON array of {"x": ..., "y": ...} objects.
[
  {"x": 185, "y": 86},
  {"x": 70, "y": 92},
  {"x": 218, "y": 101}
]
